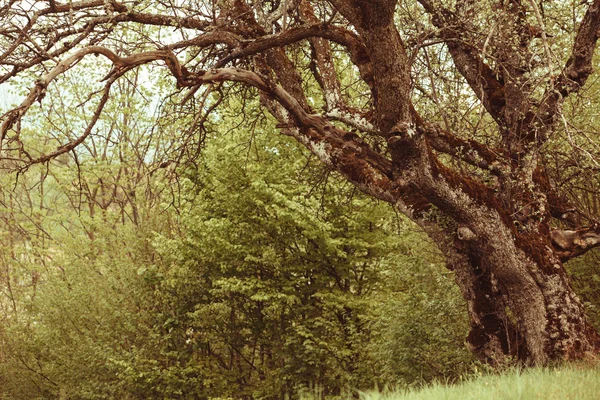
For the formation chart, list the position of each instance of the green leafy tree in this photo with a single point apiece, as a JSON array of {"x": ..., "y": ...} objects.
[{"x": 273, "y": 286}]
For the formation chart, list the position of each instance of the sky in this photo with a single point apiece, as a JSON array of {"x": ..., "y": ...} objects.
[{"x": 7, "y": 98}]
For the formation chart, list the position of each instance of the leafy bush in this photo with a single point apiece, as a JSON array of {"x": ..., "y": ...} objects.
[{"x": 255, "y": 287}]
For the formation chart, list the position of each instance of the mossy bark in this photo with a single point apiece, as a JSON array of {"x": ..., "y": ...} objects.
[{"x": 520, "y": 310}]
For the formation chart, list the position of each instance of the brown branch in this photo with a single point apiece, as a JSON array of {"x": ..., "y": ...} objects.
[
  {"x": 576, "y": 70},
  {"x": 159, "y": 20},
  {"x": 336, "y": 148},
  {"x": 120, "y": 64},
  {"x": 322, "y": 64},
  {"x": 579, "y": 65},
  {"x": 71, "y": 145},
  {"x": 117, "y": 13},
  {"x": 325, "y": 73},
  {"x": 467, "y": 59},
  {"x": 467, "y": 150},
  {"x": 569, "y": 244},
  {"x": 67, "y": 46},
  {"x": 209, "y": 38},
  {"x": 127, "y": 14},
  {"x": 290, "y": 103},
  {"x": 296, "y": 34}
]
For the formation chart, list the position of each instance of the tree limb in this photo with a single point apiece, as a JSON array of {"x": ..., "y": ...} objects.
[
  {"x": 38, "y": 91},
  {"x": 336, "y": 34},
  {"x": 569, "y": 244},
  {"x": 579, "y": 66},
  {"x": 468, "y": 59}
]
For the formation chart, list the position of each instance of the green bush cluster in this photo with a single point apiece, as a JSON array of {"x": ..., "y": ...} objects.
[{"x": 266, "y": 283}]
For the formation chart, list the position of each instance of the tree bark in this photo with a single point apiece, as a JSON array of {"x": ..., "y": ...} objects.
[
  {"x": 520, "y": 309},
  {"x": 540, "y": 303}
]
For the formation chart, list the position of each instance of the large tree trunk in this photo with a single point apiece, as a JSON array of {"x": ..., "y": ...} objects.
[
  {"x": 507, "y": 265},
  {"x": 519, "y": 298},
  {"x": 494, "y": 338}
]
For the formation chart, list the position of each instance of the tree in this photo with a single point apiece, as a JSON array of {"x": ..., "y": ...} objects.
[
  {"x": 464, "y": 115},
  {"x": 269, "y": 290}
]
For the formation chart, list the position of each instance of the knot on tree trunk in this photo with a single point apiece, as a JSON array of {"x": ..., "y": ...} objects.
[
  {"x": 402, "y": 130},
  {"x": 466, "y": 234}
]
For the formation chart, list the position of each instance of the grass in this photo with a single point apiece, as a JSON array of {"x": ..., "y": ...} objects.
[{"x": 576, "y": 382}]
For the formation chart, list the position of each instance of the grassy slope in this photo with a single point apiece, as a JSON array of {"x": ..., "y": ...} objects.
[{"x": 570, "y": 382}]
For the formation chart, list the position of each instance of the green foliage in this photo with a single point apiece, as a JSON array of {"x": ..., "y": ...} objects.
[
  {"x": 271, "y": 285},
  {"x": 248, "y": 273},
  {"x": 422, "y": 324},
  {"x": 84, "y": 321},
  {"x": 567, "y": 382}
]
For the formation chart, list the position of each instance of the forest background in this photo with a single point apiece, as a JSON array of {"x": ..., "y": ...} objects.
[{"x": 251, "y": 272}]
